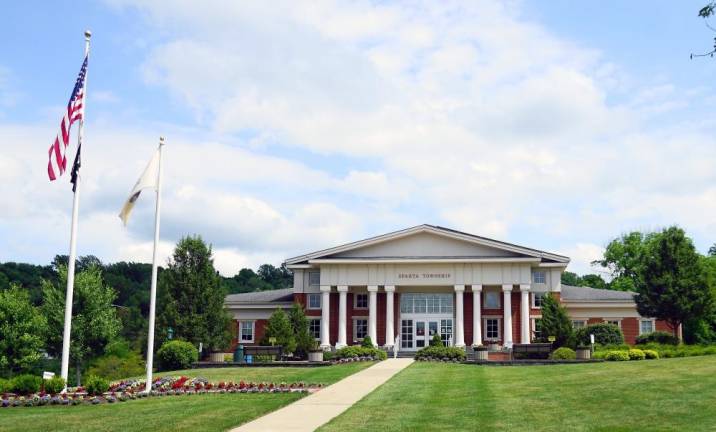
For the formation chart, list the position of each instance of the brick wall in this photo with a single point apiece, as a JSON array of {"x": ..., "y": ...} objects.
[
  {"x": 468, "y": 313},
  {"x": 259, "y": 331}
]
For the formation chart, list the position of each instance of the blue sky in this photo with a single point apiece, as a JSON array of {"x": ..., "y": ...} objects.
[{"x": 293, "y": 127}]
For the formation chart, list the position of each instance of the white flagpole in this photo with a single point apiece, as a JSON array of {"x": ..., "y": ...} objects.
[
  {"x": 153, "y": 290},
  {"x": 73, "y": 241}
]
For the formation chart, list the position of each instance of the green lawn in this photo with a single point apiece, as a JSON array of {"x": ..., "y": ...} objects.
[
  {"x": 658, "y": 395},
  {"x": 212, "y": 412}
]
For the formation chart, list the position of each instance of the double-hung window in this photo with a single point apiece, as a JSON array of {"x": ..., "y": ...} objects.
[
  {"x": 314, "y": 278},
  {"x": 361, "y": 301},
  {"x": 314, "y": 300},
  {"x": 492, "y": 328},
  {"x": 539, "y": 277},
  {"x": 314, "y": 327},
  {"x": 537, "y": 299},
  {"x": 537, "y": 326},
  {"x": 246, "y": 331},
  {"x": 578, "y": 324},
  {"x": 646, "y": 326},
  {"x": 492, "y": 300},
  {"x": 360, "y": 328},
  {"x": 615, "y": 322}
]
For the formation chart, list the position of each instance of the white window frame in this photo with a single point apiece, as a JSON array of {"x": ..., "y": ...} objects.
[
  {"x": 533, "y": 323},
  {"x": 311, "y": 273},
  {"x": 618, "y": 320},
  {"x": 355, "y": 327},
  {"x": 543, "y": 277},
  {"x": 355, "y": 301},
  {"x": 309, "y": 296},
  {"x": 653, "y": 325},
  {"x": 499, "y": 300},
  {"x": 534, "y": 298},
  {"x": 583, "y": 321},
  {"x": 499, "y": 328},
  {"x": 241, "y": 331},
  {"x": 310, "y": 320}
]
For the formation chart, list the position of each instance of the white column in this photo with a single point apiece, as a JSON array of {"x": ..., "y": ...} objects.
[
  {"x": 325, "y": 316},
  {"x": 389, "y": 318},
  {"x": 342, "y": 294},
  {"x": 476, "y": 315},
  {"x": 507, "y": 315},
  {"x": 372, "y": 311},
  {"x": 459, "y": 317},
  {"x": 525, "y": 313}
]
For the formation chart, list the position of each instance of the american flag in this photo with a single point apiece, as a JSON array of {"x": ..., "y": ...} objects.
[{"x": 58, "y": 150}]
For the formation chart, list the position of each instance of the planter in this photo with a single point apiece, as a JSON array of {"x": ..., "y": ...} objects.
[
  {"x": 493, "y": 346},
  {"x": 584, "y": 353},
  {"x": 216, "y": 357},
  {"x": 315, "y": 356},
  {"x": 481, "y": 353}
]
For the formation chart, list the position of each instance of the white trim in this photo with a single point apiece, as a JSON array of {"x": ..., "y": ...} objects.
[
  {"x": 618, "y": 320},
  {"x": 534, "y": 296},
  {"x": 653, "y": 325},
  {"x": 484, "y": 328},
  {"x": 308, "y": 301},
  {"x": 313, "y": 318},
  {"x": 419, "y": 260},
  {"x": 434, "y": 230},
  {"x": 355, "y": 301},
  {"x": 533, "y": 325},
  {"x": 241, "y": 331},
  {"x": 300, "y": 266},
  {"x": 599, "y": 304}
]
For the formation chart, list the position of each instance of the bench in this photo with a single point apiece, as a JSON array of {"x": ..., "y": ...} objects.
[
  {"x": 256, "y": 350},
  {"x": 531, "y": 351}
]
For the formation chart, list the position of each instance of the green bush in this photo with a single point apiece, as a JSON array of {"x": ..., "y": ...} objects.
[
  {"x": 604, "y": 334},
  {"x": 367, "y": 342},
  {"x": 54, "y": 385},
  {"x": 436, "y": 341},
  {"x": 659, "y": 337},
  {"x": 612, "y": 347},
  {"x": 355, "y": 351},
  {"x": 26, "y": 384},
  {"x": 177, "y": 354},
  {"x": 96, "y": 385},
  {"x": 328, "y": 355},
  {"x": 440, "y": 353},
  {"x": 113, "y": 367},
  {"x": 636, "y": 354},
  {"x": 651, "y": 354},
  {"x": 5, "y": 386},
  {"x": 563, "y": 353},
  {"x": 617, "y": 356}
]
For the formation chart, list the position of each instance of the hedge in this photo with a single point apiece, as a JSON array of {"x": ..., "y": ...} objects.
[
  {"x": 440, "y": 353},
  {"x": 604, "y": 334},
  {"x": 563, "y": 353},
  {"x": 26, "y": 384},
  {"x": 96, "y": 385},
  {"x": 177, "y": 354},
  {"x": 54, "y": 385},
  {"x": 617, "y": 356},
  {"x": 356, "y": 351},
  {"x": 659, "y": 337},
  {"x": 636, "y": 354}
]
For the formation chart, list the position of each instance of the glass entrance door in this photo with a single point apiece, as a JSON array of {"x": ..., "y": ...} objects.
[{"x": 424, "y": 332}]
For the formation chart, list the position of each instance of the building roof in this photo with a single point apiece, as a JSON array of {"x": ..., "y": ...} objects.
[
  {"x": 272, "y": 296},
  {"x": 577, "y": 294},
  {"x": 434, "y": 229}
]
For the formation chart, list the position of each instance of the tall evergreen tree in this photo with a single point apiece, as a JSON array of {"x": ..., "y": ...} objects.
[
  {"x": 299, "y": 326},
  {"x": 555, "y": 322},
  {"x": 279, "y": 328},
  {"x": 191, "y": 298}
]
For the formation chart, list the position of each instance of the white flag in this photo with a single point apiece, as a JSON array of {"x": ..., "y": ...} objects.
[{"x": 149, "y": 179}]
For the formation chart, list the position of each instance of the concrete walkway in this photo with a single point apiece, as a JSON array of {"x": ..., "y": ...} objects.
[{"x": 317, "y": 409}]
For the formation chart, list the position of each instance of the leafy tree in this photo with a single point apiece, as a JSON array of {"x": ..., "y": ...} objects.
[
  {"x": 28, "y": 276},
  {"x": 277, "y": 277},
  {"x": 279, "y": 327},
  {"x": 246, "y": 281},
  {"x": 555, "y": 322},
  {"x": 675, "y": 284},
  {"x": 712, "y": 250},
  {"x": 623, "y": 258},
  {"x": 571, "y": 278},
  {"x": 23, "y": 330},
  {"x": 191, "y": 298},
  {"x": 94, "y": 319},
  {"x": 299, "y": 326},
  {"x": 594, "y": 281}
]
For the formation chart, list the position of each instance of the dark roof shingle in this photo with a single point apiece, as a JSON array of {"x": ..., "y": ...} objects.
[
  {"x": 573, "y": 293},
  {"x": 272, "y": 296}
]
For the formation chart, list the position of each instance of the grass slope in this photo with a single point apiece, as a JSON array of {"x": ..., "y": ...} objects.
[
  {"x": 212, "y": 412},
  {"x": 663, "y": 395}
]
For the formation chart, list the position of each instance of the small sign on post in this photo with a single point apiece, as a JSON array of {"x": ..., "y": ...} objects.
[
  {"x": 551, "y": 338},
  {"x": 272, "y": 341},
  {"x": 48, "y": 375}
]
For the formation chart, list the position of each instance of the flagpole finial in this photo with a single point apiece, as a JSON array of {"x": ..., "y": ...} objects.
[
  {"x": 88, "y": 34},
  {"x": 161, "y": 140}
]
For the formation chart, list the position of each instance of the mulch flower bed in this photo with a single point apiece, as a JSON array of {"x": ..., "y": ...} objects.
[{"x": 165, "y": 386}]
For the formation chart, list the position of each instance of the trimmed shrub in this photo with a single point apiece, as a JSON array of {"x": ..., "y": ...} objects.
[
  {"x": 26, "y": 384},
  {"x": 96, "y": 385},
  {"x": 356, "y": 351},
  {"x": 659, "y": 337},
  {"x": 651, "y": 354},
  {"x": 328, "y": 355},
  {"x": 636, "y": 354},
  {"x": 113, "y": 367},
  {"x": 5, "y": 386},
  {"x": 441, "y": 353},
  {"x": 617, "y": 356},
  {"x": 177, "y": 354},
  {"x": 436, "y": 341},
  {"x": 604, "y": 334},
  {"x": 54, "y": 385},
  {"x": 563, "y": 353},
  {"x": 367, "y": 342}
]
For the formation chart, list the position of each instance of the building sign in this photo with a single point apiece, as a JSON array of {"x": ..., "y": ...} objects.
[{"x": 424, "y": 275}]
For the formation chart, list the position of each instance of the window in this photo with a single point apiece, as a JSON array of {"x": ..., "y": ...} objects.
[
  {"x": 646, "y": 326},
  {"x": 578, "y": 324},
  {"x": 314, "y": 278},
  {"x": 360, "y": 328},
  {"x": 492, "y": 328},
  {"x": 616, "y": 322},
  {"x": 537, "y": 326},
  {"x": 314, "y": 301},
  {"x": 538, "y": 277},
  {"x": 446, "y": 331},
  {"x": 246, "y": 331},
  {"x": 426, "y": 303},
  {"x": 406, "y": 303},
  {"x": 314, "y": 328},
  {"x": 537, "y": 299},
  {"x": 492, "y": 300},
  {"x": 361, "y": 301},
  {"x": 406, "y": 334}
]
